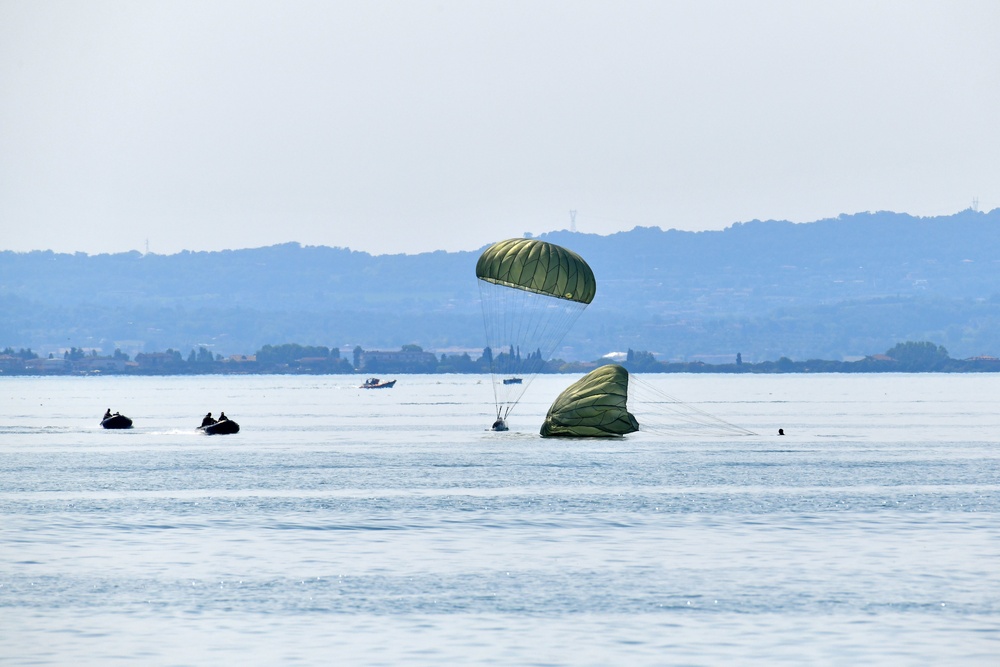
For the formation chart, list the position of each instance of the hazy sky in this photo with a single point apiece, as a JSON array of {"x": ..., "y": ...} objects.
[{"x": 415, "y": 126}]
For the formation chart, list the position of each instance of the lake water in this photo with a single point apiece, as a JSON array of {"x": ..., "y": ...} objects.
[{"x": 389, "y": 527}]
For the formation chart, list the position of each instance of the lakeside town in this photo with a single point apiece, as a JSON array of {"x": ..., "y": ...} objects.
[{"x": 292, "y": 358}]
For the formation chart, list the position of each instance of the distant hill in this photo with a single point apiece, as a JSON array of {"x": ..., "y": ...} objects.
[{"x": 831, "y": 289}]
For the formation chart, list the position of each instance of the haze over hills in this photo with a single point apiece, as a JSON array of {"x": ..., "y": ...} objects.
[{"x": 832, "y": 289}]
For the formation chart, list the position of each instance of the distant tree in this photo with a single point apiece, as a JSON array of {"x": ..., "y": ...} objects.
[
  {"x": 918, "y": 356},
  {"x": 457, "y": 363},
  {"x": 22, "y": 353},
  {"x": 357, "y": 356},
  {"x": 412, "y": 348},
  {"x": 505, "y": 360},
  {"x": 739, "y": 359},
  {"x": 533, "y": 363},
  {"x": 641, "y": 361},
  {"x": 119, "y": 355}
]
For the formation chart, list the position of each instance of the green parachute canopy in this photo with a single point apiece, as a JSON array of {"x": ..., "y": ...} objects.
[
  {"x": 593, "y": 406},
  {"x": 531, "y": 292},
  {"x": 538, "y": 266}
]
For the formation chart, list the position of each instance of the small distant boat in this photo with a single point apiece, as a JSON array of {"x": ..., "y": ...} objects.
[
  {"x": 512, "y": 381},
  {"x": 116, "y": 421},
  {"x": 224, "y": 427},
  {"x": 375, "y": 383}
]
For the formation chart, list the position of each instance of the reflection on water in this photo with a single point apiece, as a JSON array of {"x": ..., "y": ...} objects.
[{"x": 392, "y": 527}]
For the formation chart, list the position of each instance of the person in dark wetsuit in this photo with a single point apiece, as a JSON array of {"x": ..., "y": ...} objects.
[
  {"x": 781, "y": 431},
  {"x": 207, "y": 421},
  {"x": 223, "y": 417},
  {"x": 106, "y": 414}
]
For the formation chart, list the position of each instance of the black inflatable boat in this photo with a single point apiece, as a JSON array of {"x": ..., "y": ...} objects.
[
  {"x": 117, "y": 421},
  {"x": 224, "y": 427}
]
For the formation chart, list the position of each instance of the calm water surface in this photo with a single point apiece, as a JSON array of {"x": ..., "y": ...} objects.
[{"x": 389, "y": 527}]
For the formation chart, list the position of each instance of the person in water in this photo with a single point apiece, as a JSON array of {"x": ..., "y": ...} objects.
[
  {"x": 781, "y": 431},
  {"x": 223, "y": 417},
  {"x": 207, "y": 421},
  {"x": 499, "y": 425}
]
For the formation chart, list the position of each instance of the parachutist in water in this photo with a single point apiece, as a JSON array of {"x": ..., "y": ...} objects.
[
  {"x": 499, "y": 425},
  {"x": 781, "y": 431}
]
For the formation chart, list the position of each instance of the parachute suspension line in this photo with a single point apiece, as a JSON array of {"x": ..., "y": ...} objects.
[
  {"x": 505, "y": 332},
  {"x": 660, "y": 412},
  {"x": 521, "y": 324},
  {"x": 547, "y": 330},
  {"x": 489, "y": 315}
]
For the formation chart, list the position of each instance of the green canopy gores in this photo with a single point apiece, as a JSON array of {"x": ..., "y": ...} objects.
[
  {"x": 538, "y": 266},
  {"x": 593, "y": 406}
]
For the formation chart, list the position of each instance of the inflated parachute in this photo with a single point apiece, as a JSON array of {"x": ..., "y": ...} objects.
[
  {"x": 532, "y": 292},
  {"x": 593, "y": 406}
]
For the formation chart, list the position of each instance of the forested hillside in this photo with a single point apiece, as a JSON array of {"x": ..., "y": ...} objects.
[{"x": 831, "y": 289}]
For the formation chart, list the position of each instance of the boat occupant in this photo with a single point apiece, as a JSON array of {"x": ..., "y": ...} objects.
[
  {"x": 223, "y": 417},
  {"x": 106, "y": 414},
  {"x": 207, "y": 421}
]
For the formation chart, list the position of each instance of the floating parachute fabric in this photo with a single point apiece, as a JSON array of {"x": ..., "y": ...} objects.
[
  {"x": 538, "y": 266},
  {"x": 532, "y": 292},
  {"x": 593, "y": 406}
]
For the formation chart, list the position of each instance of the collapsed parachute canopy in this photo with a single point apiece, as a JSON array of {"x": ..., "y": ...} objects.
[
  {"x": 593, "y": 406},
  {"x": 538, "y": 266}
]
